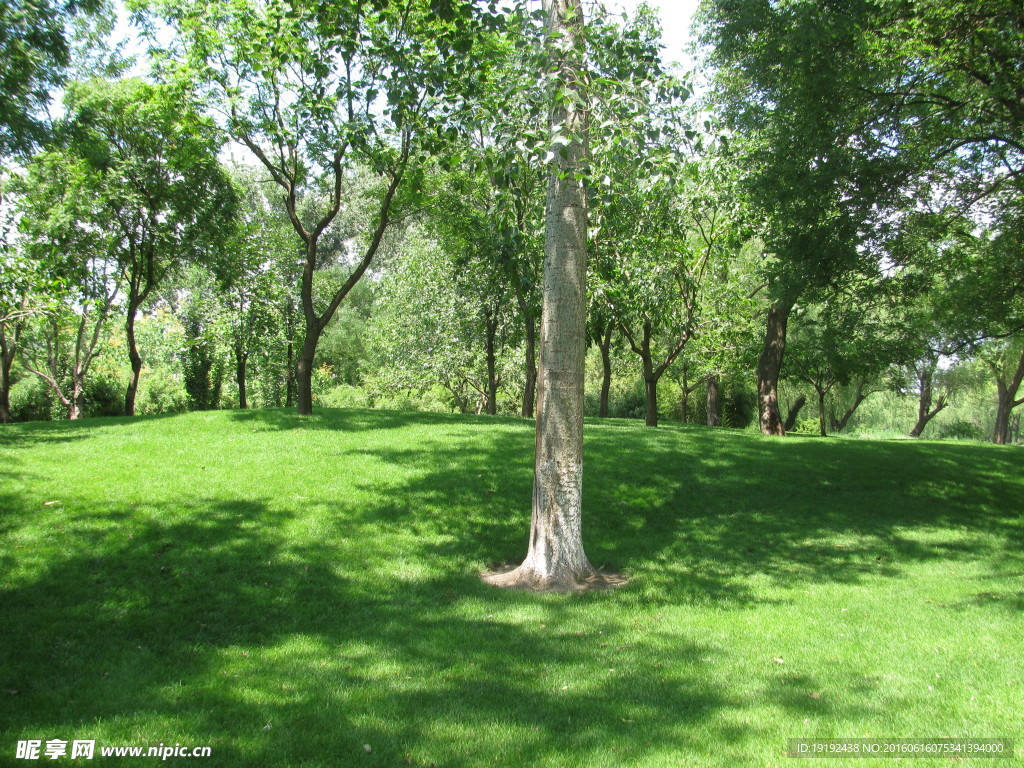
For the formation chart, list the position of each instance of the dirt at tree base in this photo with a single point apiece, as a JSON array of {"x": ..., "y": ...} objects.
[{"x": 528, "y": 580}]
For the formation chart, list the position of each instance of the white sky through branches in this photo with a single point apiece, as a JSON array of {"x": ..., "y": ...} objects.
[{"x": 675, "y": 23}]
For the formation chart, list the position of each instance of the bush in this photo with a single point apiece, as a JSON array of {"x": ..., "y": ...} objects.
[
  {"x": 160, "y": 392},
  {"x": 961, "y": 430},
  {"x": 104, "y": 396},
  {"x": 739, "y": 409},
  {"x": 344, "y": 396},
  {"x": 806, "y": 426},
  {"x": 32, "y": 400}
]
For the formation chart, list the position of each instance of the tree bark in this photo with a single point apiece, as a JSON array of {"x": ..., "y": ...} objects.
[
  {"x": 714, "y": 418},
  {"x": 794, "y": 412},
  {"x": 304, "y": 369},
  {"x": 651, "y": 396},
  {"x": 241, "y": 358},
  {"x": 925, "y": 412},
  {"x": 491, "y": 330},
  {"x": 8, "y": 351},
  {"x": 650, "y": 377},
  {"x": 685, "y": 390},
  {"x": 1003, "y": 406},
  {"x": 74, "y": 403},
  {"x": 555, "y": 559},
  {"x": 289, "y": 379},
  {"x": 530, "y": 390},
  {"x": 136, "y": 362},
  {"x": 769, "y": 366},
  {"x": 604, "y": 343},
  {"x": 1006, "y": 390},
  {"x": 821, "y": 411}
]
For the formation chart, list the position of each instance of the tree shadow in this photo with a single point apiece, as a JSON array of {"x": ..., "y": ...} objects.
[
  {"x": 355, "y": 419},
  {"x": 284, "y": 636},
  {"x": 274, "y": 652},
  {"x": 692, "y": 516}
]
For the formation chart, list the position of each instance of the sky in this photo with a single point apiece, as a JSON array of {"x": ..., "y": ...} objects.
[{"x": 675, "y": 23}]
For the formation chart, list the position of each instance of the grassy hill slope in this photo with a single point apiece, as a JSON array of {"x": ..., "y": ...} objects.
[{"x": 303, "y": 592}]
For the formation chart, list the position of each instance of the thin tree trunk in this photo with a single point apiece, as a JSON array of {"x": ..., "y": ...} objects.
[
  {"x": 1003, "y": 407},
  {"x": 684, "y": 397},
  {"x": 240, "y": 363},
  {"x": 821, "y": 411},
  {"x": 8, "y": 350},
  {"x": 925, "y": 370},
  {"x": 1007, "y": 392},
  {"x": 794, "y": 412},
  {"x": 289, "y": 380},
  {"x": 491, "y": 329},
  {"x": 604, "y": 343},
  {"x": 838, "y": 425},
  {"x": 555, "y": 559},
  {"x": 136, "y": 362},
  {"x": 650, "y": 378},
  {"x": 769, "y": 366},
  {"x": 925, "y": 412},
  {"x": 714, "y": 418},
  {"x": 74, "y": 403}
]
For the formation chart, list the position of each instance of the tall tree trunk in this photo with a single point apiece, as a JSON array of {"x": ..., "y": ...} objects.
[
  {"x": 289, "y": 380},
  {"x": 530, "y": 390},
  {"x": 604, "y": 343},
  {"x": 304, "y": 369},
  {"x": 555, "y": 558},
  {"x": 241, "y": 358},
  {"x": 769, "y": 366},
  {"x": 136, "y": 362},
  {"x": 75, "y": 400},
  {"x": 714, "y": 418},
  {"x": 651, "y": 398},
  {"x": 1006, "y": 390},
  {"x": 927, "y": 414},
  {"x": 8, "y": 350},
  {"x": 925, "y": 370},
  {"x": 685, "y": 390},
  {"x": 491, "y": 329},
  {"x": 821, "y": 411},
  {"x": 1004, "y": 404},
  {"x": 650, "y": 378},
  {"x": 794, "y": 412}
]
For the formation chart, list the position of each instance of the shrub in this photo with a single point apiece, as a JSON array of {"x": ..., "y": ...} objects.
[
  {"x": 739, "y": 409},
  {"x": 104, "y": 396},
  {"x": 960, "y": 430},
  {"x": 32, "y": 400},
  {"x": 343, "y": 396},
  {"x": 161, "y": 393}
]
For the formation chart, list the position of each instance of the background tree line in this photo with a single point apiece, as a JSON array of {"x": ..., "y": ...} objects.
[{"x": 826, "y": 238}]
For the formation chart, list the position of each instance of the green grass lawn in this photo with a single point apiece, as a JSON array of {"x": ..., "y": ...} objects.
[{"x": 290, "y": 591}]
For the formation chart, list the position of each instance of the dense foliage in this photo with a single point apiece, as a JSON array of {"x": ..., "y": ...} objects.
[{"x": 827, "y": 240}]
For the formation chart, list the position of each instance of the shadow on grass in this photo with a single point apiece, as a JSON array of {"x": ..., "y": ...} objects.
[
  {"x": 212, "y": 617},
  {"x": 694, "y": 515},
  {"x": 352, "y": 420},
  {"x": 276, "y": 653}
]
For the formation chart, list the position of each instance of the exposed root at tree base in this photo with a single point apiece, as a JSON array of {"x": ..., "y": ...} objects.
[{"x": 524, "y": 578}]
